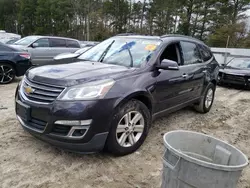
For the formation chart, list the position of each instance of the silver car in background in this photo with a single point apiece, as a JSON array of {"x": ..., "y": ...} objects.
[{"x": 44, "y": 48}]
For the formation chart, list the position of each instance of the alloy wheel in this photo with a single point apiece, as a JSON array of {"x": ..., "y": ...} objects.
[
  {"x": 7, "y": 74},
  {"x": 209, "y": 98},
  {"x": 130, "y": 129}
]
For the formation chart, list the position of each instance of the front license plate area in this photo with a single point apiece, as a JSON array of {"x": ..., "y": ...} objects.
[{"x": 23, "y": 110}]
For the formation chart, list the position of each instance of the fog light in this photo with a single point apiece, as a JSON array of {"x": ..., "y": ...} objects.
[
  {"x": 73, "y": 122},
  {"x": 248, "y": 79}
]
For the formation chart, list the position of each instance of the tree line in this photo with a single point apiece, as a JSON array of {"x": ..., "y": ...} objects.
[{"x": 213, "y": 21}]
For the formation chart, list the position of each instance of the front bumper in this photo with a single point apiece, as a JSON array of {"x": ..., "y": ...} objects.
[
  {"x": 233, "y": 79},
  {"x": 40, "y": 121}
]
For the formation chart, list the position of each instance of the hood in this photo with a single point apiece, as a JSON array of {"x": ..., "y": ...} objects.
[
  {"x": 235, "y": 71},
  {"x": 76, "y": 73}
]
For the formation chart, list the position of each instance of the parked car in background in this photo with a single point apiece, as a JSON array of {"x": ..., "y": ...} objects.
[
  {"x": 236, "y": 72},
  {"x": 109, "y": 98},
  {"x": 44, "y": 48},
  {"x": 88, "y": 43},
  {"x": 13, "y": 62},
  {"x": 11, "y": 41},
  {"x": 5, "y": 37}
]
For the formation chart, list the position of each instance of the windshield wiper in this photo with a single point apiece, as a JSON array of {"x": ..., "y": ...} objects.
[
  {"x": 106, "y": 51},
  {"x": 131, "y": 57}
]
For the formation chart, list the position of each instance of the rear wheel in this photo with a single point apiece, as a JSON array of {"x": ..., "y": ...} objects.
[
  {"x": 129, "y": 128},
  {"x": 7, "y": 73},
  {"x": 207, "y": 100}
]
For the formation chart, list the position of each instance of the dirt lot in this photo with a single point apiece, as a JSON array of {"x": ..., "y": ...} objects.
[{"x": 28, "y": 162}]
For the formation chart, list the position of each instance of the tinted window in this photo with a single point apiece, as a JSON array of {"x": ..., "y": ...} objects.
[
  {"x": 5, "y": 48},
  {"x": 42, "y": 42},
  {"x": 205, "y": 52},
  {"x": 57, "y": 43},
  {"x": 191, "y": 54},
  {"x": 72, "y": 44}
]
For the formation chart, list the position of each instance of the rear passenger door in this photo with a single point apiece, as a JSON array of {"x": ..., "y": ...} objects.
[
  {"x": 194, "y": 68},
  {"x": 58, "y": 46}
]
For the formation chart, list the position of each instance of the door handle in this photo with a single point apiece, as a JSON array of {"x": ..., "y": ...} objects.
[{"x": 184, "y": 76}]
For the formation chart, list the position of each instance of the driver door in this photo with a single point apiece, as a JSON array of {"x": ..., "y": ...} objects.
[{"x": 172, "y": 85}]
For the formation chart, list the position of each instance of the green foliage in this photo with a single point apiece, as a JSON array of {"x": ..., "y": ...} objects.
[{"x": 211, "y": 21}]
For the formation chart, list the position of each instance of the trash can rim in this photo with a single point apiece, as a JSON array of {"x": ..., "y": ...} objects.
[{"x": 204, "y": 163}]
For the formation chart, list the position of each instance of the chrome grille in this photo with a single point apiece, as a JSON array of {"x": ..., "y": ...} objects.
[{"x": 39, "y": 92}]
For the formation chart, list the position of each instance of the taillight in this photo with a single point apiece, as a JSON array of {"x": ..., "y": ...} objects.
[{"x": 27, "y": 56}]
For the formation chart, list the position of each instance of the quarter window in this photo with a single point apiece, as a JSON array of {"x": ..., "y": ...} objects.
[
  {"x": 191, "y": 54},
  {"x": 57, "y": 43}
]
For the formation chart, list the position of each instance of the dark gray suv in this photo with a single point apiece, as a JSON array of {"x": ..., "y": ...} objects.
[{"x": 109, "y": 98}]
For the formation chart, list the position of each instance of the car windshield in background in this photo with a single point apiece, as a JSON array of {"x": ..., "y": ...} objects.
[
  {"x": 129, "y": 52},
  {"x": 26, "y": 40},
  {"x": 240, "y": 63}
]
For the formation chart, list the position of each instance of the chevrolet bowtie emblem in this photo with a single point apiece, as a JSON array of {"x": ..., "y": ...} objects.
[{"x": 29, "y": 89}]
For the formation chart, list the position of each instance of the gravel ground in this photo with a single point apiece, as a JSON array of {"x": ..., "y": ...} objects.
[{"x": 28, "y": 162}]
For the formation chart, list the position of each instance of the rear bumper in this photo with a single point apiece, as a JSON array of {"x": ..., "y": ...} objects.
[{"x": 21, "y": 68}]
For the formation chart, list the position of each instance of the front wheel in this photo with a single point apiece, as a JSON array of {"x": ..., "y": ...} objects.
[
  {"x": 129, "y": 128},
  {"x": 207, "y": 100}
]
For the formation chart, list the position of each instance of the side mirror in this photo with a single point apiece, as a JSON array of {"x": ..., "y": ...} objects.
[
  {"x": 34, "y": 45},
  {"x": 167, "y": 64},
  {"x": 222, "y": 65}
]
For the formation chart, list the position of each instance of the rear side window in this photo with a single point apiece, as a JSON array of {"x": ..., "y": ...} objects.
[
  {"x": 57, "y": 43},
  {"x": 191, "y": 53},
  {"x": 42, "y": 42},
  {"x": 72, "y": 44},
  {"x": 5, "y": 49},
  {"x": 205, "y": 53}
]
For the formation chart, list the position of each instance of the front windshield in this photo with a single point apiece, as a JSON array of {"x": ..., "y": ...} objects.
[
  {"x": 240, "y": 63},
  {"x": 26, "y": 40},
  {"x": 123, "y": 51}
]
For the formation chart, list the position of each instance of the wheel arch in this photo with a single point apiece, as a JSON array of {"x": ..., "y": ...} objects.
[
  {"x": 141, "y": 96},
  {"x": 9, "y": 62}
]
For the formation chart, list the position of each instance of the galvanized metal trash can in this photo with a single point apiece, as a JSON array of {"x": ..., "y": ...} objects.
[{"x": 194, "y": 160}]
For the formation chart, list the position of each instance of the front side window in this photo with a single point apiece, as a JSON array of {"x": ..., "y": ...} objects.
[
  {"x": 191, "y": 54},
  {"x": 57, "y": 43},
  {"x": 42, "y": 42},
  {"x": 125, "y": 51}
]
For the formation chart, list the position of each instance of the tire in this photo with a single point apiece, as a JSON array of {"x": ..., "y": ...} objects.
[
  {"x": 202, "y": 106},
  {"x": 7, "y": 73},
  {"x": 114, "y": 143}
]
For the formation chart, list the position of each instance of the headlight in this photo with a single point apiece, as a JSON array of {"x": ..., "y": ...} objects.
[{"x": 89, "y": 91}]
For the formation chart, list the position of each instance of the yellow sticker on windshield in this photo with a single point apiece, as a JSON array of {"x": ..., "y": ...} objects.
[{"x": 150, "y": 47}]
